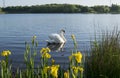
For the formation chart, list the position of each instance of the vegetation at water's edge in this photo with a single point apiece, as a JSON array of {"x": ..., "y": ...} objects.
[
  {"x": 44, "y": 70},
  {"x": 62, "y": 8},
  {"x": 104, "y": 60},
  {"x": 1, "y": 12}
]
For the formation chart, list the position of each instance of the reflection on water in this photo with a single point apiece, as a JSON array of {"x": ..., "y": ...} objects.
[{"x": 56, "y": 47}]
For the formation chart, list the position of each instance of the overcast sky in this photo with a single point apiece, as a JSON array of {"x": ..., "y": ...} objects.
[{"x": 39, "y": 2}]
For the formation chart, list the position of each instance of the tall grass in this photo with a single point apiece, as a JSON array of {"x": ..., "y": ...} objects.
[{"x": 104, "y": 59}]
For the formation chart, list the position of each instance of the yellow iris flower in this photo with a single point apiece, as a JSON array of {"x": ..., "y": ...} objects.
[
  {"x": 54, "y": 71},
  {"x": 45, "y": 50},
  {"x": 76, "y": 69},
  {"x": 45, "y": 69},
  {"x": 48, "y": 50},
  {"x": 46, "y": 55},
  {"x": 53, "y": 61},
  {"x": 5, "y": 53},
  {"x": 78, "y": 57},
  {"x": 66, "y": 74},
  {"x": 81, "y": 69}
]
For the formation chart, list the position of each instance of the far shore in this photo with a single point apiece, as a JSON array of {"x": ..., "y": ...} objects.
[{"x": 62, "y": 8}]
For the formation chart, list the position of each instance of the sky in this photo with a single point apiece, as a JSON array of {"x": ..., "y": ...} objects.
[{"x": 40, "y": 2}]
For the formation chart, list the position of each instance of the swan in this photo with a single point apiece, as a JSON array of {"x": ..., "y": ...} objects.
[{"x": 57, "y": 38}]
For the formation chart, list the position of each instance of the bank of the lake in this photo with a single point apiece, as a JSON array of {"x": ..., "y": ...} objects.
[{"x": 62, "y": 8}]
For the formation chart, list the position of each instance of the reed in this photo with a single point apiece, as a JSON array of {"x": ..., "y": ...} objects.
[{"x": 104, "y": 58}]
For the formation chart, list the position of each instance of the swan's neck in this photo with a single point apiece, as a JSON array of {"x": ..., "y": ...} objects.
[{"x": 62, "y": 35}]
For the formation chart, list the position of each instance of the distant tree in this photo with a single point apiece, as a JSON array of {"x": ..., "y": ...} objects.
[
  {"x": 62, "y": 8},
  {"x": 101, "y": 9},
  {"x": 16, "y": 9},
  {"x": 115, "y": 8},
  {"x": 85, "y": 9},
  {"x": 69, "y": 8},
  {"x": 91, "y": 10},
  {"x": 0, "y": 10}
]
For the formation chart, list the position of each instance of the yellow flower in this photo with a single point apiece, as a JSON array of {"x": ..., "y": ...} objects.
[
  {"x": 53, "y": 61},
  {"x": 75, "y": 69},
  {"x": 66, "y": 74},
  {"x": 48, "y": 50},
  {"x": 54, "y": 71},
  {"x": 78, "y": 57},
  {"x": 73, "y": 36},
  {"x": 45, "y": 69},
  {"x": 81, "y": 69},
  {"x": 6, "y": 53},
  {"x": 45, "y": 50},
  {"x": 46, "y": 55}
]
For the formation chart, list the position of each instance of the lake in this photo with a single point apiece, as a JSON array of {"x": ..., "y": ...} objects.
[{"x": 15, "y": 29}]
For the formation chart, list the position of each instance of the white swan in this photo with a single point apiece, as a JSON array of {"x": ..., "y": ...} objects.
[{"x": 57, "y": 38}]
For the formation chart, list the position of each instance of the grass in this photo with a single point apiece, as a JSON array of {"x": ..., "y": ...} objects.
[
  {"x": 75, "y": 69},
  {"x": 104, "y": 59}
]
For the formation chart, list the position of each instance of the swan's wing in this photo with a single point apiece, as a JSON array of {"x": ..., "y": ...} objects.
[{"x": 56, "y": 38}]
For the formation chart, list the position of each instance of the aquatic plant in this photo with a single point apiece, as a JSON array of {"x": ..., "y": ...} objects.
[
  {"x": 66, "y": 74},
  {"x": 5, "y": 53},
  {"x": 103, "y": 61},
  {"x": 44, "y": 52},
  {"x": 76, "y": 66},
  {"x": 104, "y": 58},
  {"x": 29, "y": 58},
  {"x": 44, "y": 70},
  {"x": 6, "y": 71}
]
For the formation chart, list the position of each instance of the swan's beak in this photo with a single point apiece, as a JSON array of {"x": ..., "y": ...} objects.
[{"x": 63, "y": 30}]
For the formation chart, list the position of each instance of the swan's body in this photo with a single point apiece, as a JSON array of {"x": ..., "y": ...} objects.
[{"x": 57, "y": 38}]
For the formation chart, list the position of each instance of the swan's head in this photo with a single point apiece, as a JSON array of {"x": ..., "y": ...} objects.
[{"x": 62, "y": 31}]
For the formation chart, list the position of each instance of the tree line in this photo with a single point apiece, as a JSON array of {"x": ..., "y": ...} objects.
[{"x": 61, "y": 8}]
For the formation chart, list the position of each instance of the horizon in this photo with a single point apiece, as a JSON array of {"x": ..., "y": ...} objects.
[{"x": 6, "y": 3}]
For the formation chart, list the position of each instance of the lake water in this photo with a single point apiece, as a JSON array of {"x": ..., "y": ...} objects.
[{"x": 15, "y": 29}]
